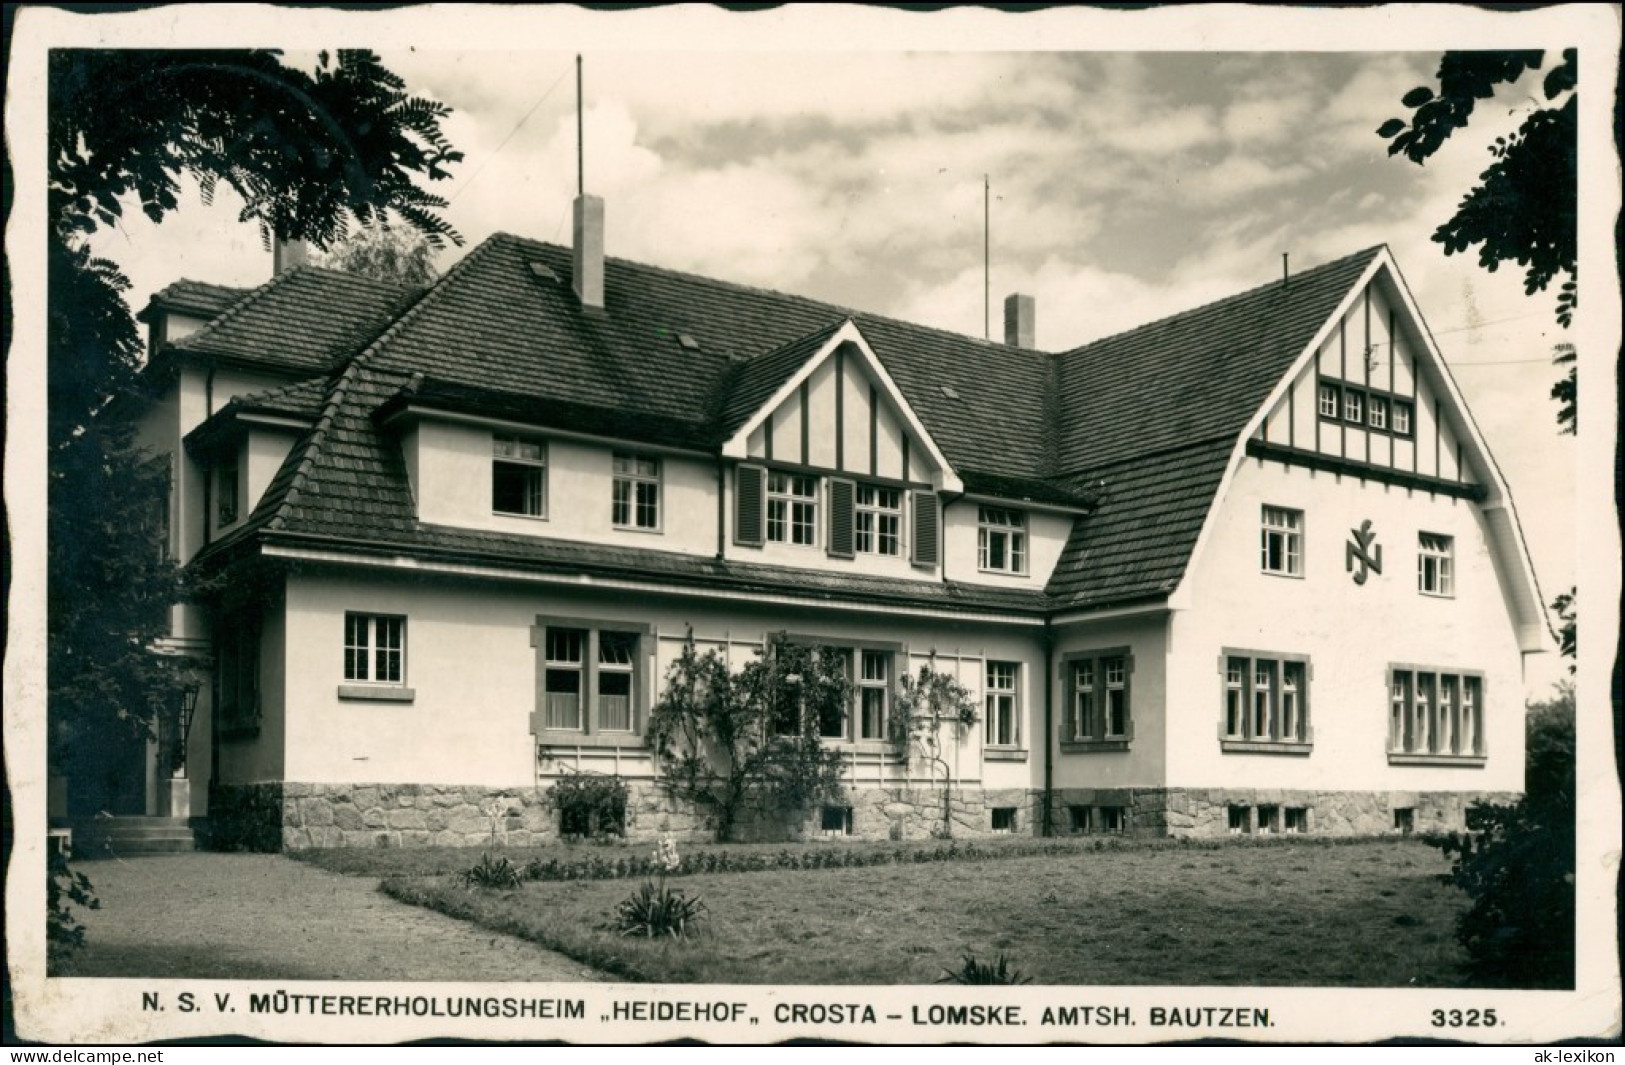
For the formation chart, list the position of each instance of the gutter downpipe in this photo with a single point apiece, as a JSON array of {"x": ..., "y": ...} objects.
[
  {"x": 1047, "y": 822},
  {"x": 722, "y": 507}
]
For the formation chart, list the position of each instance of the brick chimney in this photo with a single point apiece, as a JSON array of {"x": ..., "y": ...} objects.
[
  {"x": 588, "y": 264},
  {"x": 288, "y": 253},
  {"x": 1020, "y": 325}
]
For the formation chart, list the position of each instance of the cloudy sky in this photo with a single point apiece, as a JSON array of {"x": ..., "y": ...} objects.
[{"x": 1126, "y": 185}]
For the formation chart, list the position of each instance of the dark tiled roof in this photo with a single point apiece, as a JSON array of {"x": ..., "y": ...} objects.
[
  {"x": 1194, "y": 376},
  {"x": 302, "y": 399},
  {"x": 493, "y": 322},
  {"x": 1151, "y": 419},
  {"x": 196, "y": 298},
  {"x": 1136, "y": 543},
  {"x": 757, "y": 380},
  {"x": 305, "y": 319}
]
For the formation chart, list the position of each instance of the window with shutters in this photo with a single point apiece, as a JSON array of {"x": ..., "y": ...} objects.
[
  {"x": 593, "y": 681},
  {"x": 792, "y": 508},
  {"x": 1264, "y": 703},
  {"x": 1099, "y": 708},
  {"x": 1435, "y": 717},
  {"x": 878, "y": 525}
]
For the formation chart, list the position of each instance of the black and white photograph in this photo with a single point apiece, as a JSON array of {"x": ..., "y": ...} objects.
[{"x": 870, "y": 525}]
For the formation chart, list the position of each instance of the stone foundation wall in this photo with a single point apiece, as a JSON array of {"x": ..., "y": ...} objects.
[
  {"x": 1205, "y": 812},
  {"x": 300, "y": 816}
]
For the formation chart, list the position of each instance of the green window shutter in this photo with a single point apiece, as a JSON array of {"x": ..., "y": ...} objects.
[
  {"x": 927, "y": 529},
  {"x": 750, "y": 496},
  {"x": 842, "y": 494}
]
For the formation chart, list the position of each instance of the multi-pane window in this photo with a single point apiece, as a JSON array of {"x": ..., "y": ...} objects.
[
  {"x": 237, "y": 671},
  {"x": 1099, "y": 708},
  {"x": 374, "y": 648},
  {"x": 617, "y": 662},
  {"x": 1282, "y": 541},
  {"x": 873, "y": 694},
  {"x": 792, "y": 508},
  {"x": 1402, "y": 418},
  {"x": 1435, "y": 564},
  {"x": 636, "y": 499},
  {"x": 518, "y": 476},
  {"x": 879, "y": 520},
  {"x": 1001, "y": 540},
  {"x": 589, "y": 679},
  {"x": 1353, "y": 406},
  {"x": 1003, "y": 722},
  {"x": 1266, "y": 699},
  {"x": 1433, "y": 713},
  {"x": 566, "y": 678},
  {"x": 1377, "y": 413},
  {"x": 1328, "y": 401}
]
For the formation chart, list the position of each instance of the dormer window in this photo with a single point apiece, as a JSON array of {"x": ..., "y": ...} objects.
[
  {"x": 636, "y": 502},
  {"x": 518, "y": 477},
  {"x": 1001, "y": 540}
]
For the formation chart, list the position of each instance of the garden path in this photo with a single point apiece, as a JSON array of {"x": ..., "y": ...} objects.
[{"x": 267, "y": 917}]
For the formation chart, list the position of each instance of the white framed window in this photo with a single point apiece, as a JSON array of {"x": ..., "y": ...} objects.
[
  {"x": 591, "y": 680},
  {"x": 1002, "y": 705},
  {"x": 1353, "y": 406},
  {"x": 566, "y": 677},
  {"x": 1377, "y": 413},
  {"x": 1402, "y": 418},
  {"x": 792, "y": 508},
  {"x": 1083, "y": 698},
  {"x": 518, "y": 476},
  {"x": 374, "y": 649},
  {"x": 635, "y": 502},
  {"x": 1282, "y": 542},
  {"x": 617, "y": 672},
  {"x": 1434, "y": 716},
  {"x": 878, "y": 528},
  {"x": 1435, "y": 564},
  {"x": 874, "y": 694},
  {"x": 1328, "y": 400},
  {"x": 1265, "y": 703},
  {"x": 1001, "y": 540}
]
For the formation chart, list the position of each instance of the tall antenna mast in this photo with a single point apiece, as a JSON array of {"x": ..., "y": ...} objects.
[
  {"x": 581, "y": 150},
  {"x": 987, "y": 333}
]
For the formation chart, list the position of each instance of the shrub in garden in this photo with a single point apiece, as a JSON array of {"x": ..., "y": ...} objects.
[
  {"x": 972, "y": 971},
  {"x": 1516, "y": 862},
  {"x": 493, "y": 873},
  {"x": 656, "y": 911},
  {"x": 590, "y": 805},
  {"x": 64, "y": 935}
]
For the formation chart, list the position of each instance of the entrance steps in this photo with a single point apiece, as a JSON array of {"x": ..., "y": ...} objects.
[{"x": 127, "y": 837}]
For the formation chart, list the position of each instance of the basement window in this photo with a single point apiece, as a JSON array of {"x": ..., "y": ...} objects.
[
  {"x": 1297, "y": 820},
  {"x": 1077, "y": 819},
  {"x": 1238, "y": 820},
  {"x": 836, "y": 821},
  {"x": 1269, "y": 820},
  {"x": 1405, "y": 819},
  {"x": 1004, "y": 819}
]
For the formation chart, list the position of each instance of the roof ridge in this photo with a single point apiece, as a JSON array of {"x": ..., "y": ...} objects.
[
  {"x": 1225, "y": 300},
  {"x": 254, "y": 295},
  {"x": 806, "y": 302}
]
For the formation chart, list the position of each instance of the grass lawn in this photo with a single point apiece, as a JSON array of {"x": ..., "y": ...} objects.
[{"x": 1372, "y": 914}]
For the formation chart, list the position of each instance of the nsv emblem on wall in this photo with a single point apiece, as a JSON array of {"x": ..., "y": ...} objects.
[{"x": 1364, "y": 551}]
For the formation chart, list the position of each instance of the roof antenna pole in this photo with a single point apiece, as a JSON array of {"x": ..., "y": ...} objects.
[
  {"x": 986, "y": 328},
  {"x": 581, "y": 149}
]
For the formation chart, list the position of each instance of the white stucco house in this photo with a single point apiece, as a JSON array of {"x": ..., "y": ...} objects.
[{"x": 1250, "y": 568}]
